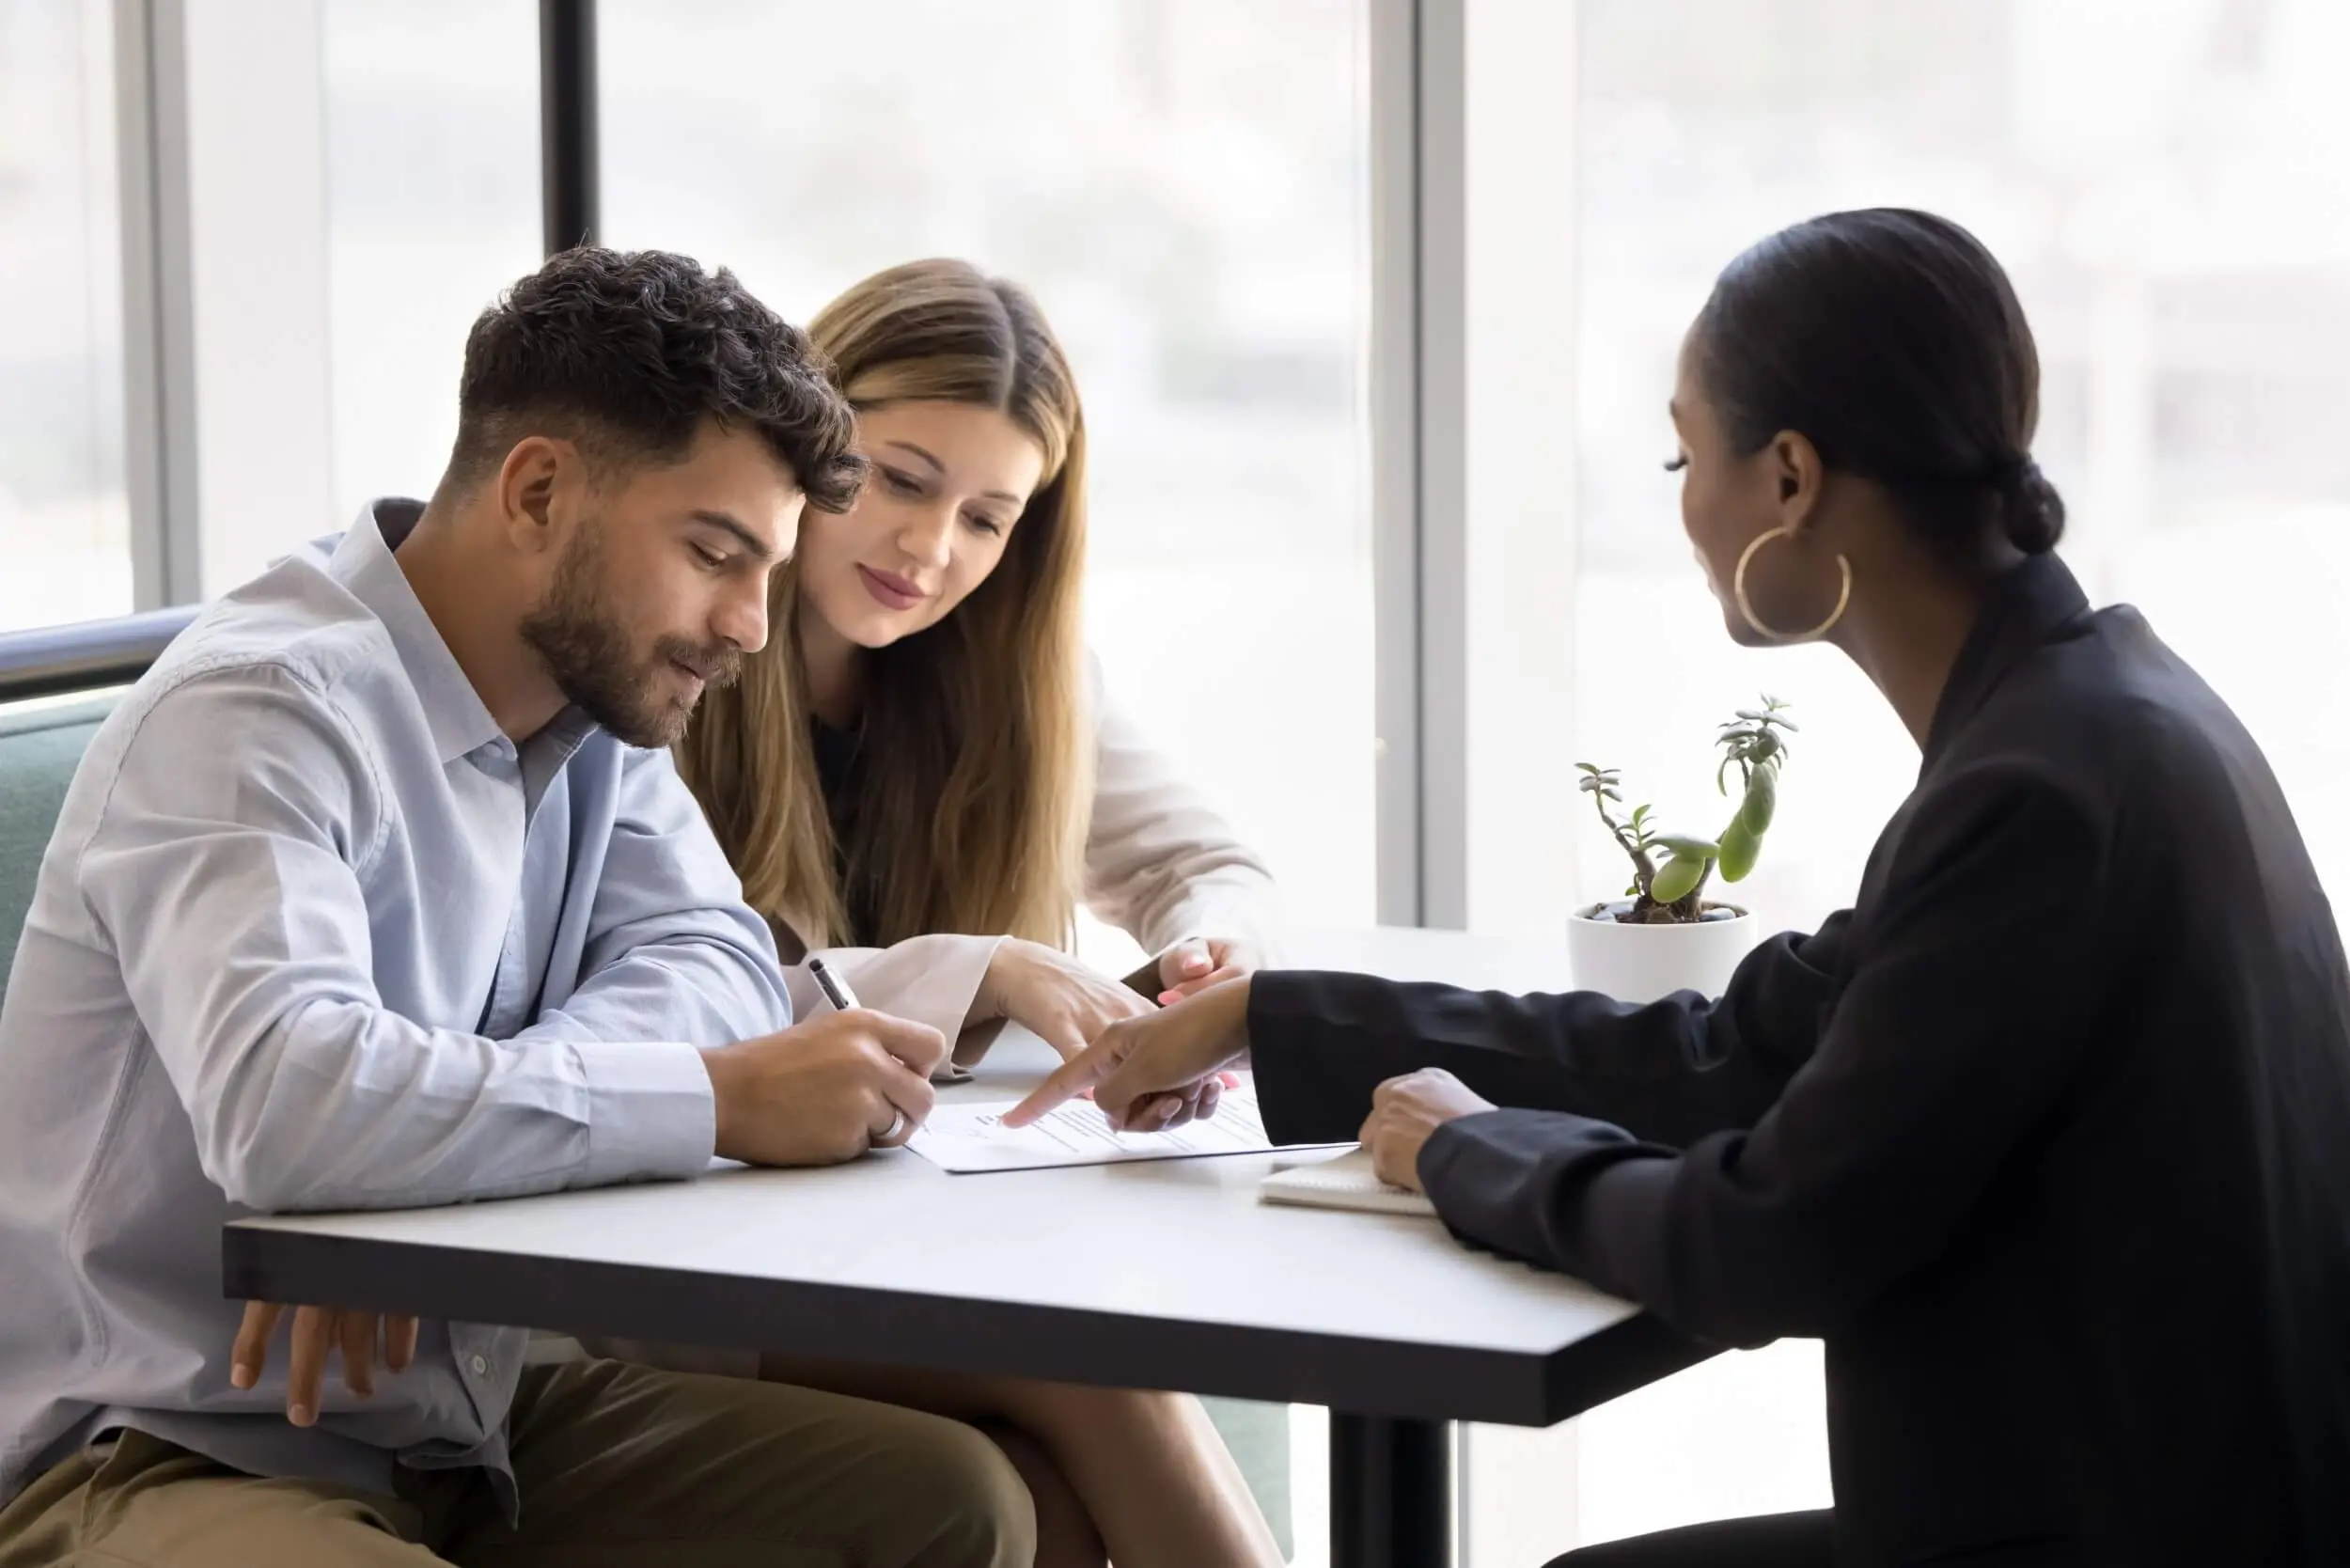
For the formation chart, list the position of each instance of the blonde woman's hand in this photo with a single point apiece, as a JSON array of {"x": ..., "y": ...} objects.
[
  {"x": 1045, "y": 990},
  {"x": 1199, "y": 963}
]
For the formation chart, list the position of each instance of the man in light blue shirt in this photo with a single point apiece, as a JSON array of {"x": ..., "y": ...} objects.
[{"x": 381, "y": 889}]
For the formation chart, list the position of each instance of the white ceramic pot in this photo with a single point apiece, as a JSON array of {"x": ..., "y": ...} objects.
[{"x": 1646, "y": 963}]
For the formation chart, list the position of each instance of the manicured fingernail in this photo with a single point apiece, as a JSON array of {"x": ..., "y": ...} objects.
[
  {"x": 301, "y": 1414},
  {"x": 240, "y": 1376},
  {"x": 1168, "y": 998},
  {"x": 1195, "y": 964}
]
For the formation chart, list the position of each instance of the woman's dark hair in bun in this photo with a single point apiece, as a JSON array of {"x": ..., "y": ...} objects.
[{"x": 1893, "y": 341}]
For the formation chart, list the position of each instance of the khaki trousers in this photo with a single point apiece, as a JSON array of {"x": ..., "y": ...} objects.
[{"x": 618, "y": 1466}]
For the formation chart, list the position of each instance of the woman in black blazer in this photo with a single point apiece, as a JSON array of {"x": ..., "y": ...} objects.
[{"x": 2048, "y": 1135}]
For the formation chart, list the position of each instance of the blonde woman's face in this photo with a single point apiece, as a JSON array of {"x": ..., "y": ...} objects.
[{"x": 949, "y": 483}]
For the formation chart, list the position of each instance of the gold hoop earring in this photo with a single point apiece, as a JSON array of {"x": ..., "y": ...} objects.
[{"x": 1746, "y": 607}]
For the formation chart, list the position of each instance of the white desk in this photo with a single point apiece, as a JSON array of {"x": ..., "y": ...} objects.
[{"x": 1160, "y": 1275}]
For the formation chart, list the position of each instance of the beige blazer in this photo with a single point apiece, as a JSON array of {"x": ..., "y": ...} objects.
[{"x": 1159, "y": 863}]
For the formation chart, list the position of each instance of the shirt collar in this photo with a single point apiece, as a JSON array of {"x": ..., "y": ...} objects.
[
  {"x": 2031, "y": 606},
  {"x": 364, "y": 563}
]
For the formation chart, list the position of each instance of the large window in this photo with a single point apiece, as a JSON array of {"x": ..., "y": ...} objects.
[
  {"x": 65, "y": 548},
  {"x": 2168, "y": 183},
  {"x": 1184, "y": 187},
  {"x": 431, "y": 112}
]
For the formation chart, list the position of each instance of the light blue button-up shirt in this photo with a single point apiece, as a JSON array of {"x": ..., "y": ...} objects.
[{"x": 313, "y": 933}]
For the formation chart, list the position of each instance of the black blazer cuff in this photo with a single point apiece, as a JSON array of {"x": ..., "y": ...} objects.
[
  {"x": 1313, "y": 1084},
  {"x": 1515, "y": 1180}
]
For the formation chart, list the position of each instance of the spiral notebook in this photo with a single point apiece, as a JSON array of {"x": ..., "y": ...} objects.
[{"x": 1346, "y": 1182}]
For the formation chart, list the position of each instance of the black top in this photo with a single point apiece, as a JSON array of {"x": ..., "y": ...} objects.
[
  {"x": 837, "y": 767},
  {"x": 2048, "y": 1137}
]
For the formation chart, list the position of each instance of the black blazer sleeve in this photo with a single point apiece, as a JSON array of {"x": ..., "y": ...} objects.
[
  {"x": 1963, "y": 1021},
  {"x": 1672, "y": 1071}
]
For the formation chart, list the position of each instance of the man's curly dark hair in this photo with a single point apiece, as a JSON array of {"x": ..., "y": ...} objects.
[{"x": 627, "y": 353}]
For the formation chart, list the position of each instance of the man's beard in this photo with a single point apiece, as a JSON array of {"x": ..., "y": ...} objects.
[{"x": 586, "y": 649}]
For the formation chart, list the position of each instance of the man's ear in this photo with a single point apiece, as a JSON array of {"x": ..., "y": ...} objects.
[{"x": 537, "y": 487}]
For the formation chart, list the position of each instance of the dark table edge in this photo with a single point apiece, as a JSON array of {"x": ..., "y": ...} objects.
[{"x": 1372, "y": 1377}]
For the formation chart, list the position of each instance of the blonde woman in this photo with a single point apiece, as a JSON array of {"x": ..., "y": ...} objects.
[
  {"x": 922, "y": 773},
  {"x": 920, "y": 777}
]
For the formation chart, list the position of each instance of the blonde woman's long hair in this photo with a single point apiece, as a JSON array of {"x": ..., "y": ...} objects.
[{"x": 974, "y": 777}]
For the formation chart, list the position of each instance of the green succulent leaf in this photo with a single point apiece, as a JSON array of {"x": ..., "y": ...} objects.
[
  {"x": 1762, "y": 801},
  {"x": 1740, "y": 849},
  {"x": 1686, "y": 847},
  {"x": 1676, "y": 878}
]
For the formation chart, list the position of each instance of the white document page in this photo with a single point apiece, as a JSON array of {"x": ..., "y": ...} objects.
[{"x": 965, "y": 1138}]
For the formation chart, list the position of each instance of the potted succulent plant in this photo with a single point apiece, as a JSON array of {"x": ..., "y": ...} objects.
[{"x": 1665, "y": 935}]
